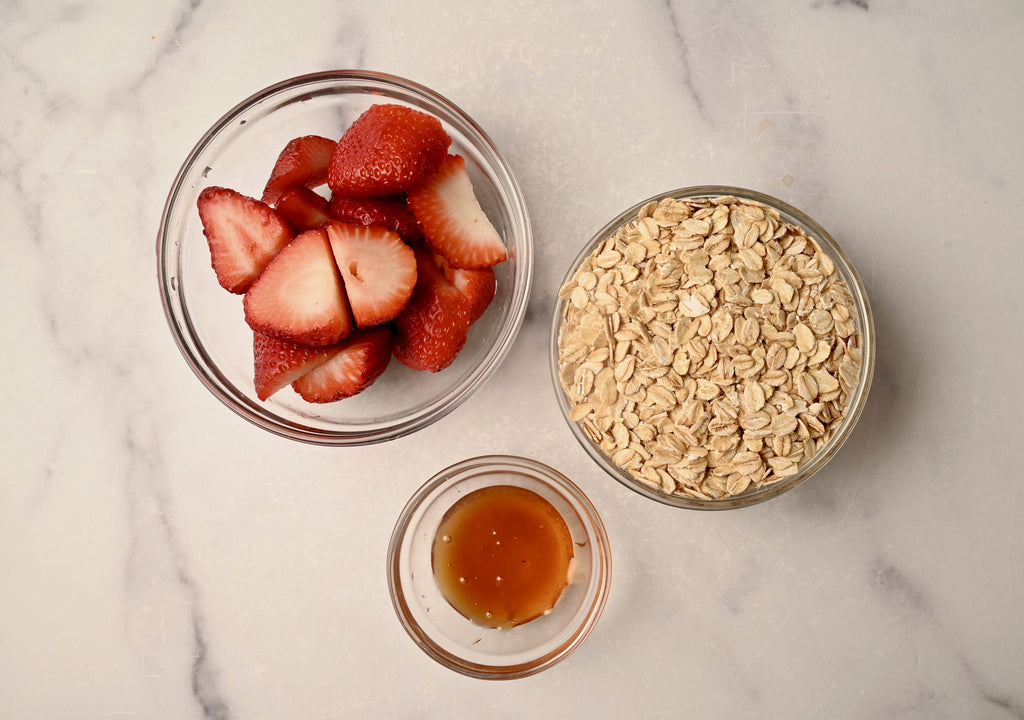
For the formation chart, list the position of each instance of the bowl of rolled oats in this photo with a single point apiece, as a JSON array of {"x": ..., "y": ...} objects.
[{"x": 712, "y": 347}]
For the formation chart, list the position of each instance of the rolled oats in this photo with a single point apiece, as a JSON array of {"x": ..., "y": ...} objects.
[{"x": 708, "y": 347}]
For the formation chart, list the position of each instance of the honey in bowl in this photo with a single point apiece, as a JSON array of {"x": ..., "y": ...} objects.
[{"x": 502, "y": 556}]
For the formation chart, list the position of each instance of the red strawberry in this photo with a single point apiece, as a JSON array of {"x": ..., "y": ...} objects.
[
  {"x": 304, "y": 208},
  {"x": 390, "y": 212},
  {"x": 433, "y": 326},
  {"x": 278, "y": 362},
  {"x": 386, "y": 151},
  {"x": 303, "y": 162},
  {"x": 477, "y": 287},
  {"x": 243, "y": 234},
  {"x": 452, "y": 220},
  {"x": 379, "y": 270},
  {"x": 358, "y": 361},
  {"x": 299, "y": 296}
]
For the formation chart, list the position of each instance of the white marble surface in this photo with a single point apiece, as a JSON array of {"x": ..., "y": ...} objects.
[{"x": 162, "y": 558}]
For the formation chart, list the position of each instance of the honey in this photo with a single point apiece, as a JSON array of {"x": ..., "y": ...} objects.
[{"x": 502, "y": 556}]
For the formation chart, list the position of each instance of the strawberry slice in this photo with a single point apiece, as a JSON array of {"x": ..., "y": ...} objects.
[
  {"x": 390, "y": 212},
  {"x": 299, "y": 296},
  {"x": 477, "y": 287},
  {"x": 357, "y": 362},
  {"x": 304, "y": 208},
  {"x": 278, "y": 363},
  {"x": 452, "y": 220},
  {"x": 386, "y": 151},
  {"x": 433, "y": 327},
  {"x": 379, "y": 270},
  {"x": 243, "y": 234},
  {"x": 303, "y": 162}
]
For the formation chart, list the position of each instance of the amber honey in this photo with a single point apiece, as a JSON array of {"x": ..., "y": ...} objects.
[{"x": 502, "y": 556}]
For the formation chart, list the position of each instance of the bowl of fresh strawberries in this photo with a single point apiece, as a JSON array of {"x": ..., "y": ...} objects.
[{"x": 344, "y": 258}]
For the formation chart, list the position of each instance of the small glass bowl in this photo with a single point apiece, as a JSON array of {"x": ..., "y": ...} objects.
[
  {"x": 458, "y": 643},
  {"x": 207, "y": 322},
  {"x": 864, "y": 323}
]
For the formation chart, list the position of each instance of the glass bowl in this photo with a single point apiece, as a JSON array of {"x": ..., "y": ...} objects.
[
  {"x": 207, "y": 322},
  {"x": 462, "y": 645},
  {"x": 857, "y": 394}
]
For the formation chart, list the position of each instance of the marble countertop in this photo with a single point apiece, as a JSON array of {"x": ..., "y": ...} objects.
[{"x": 162, "y": 558}]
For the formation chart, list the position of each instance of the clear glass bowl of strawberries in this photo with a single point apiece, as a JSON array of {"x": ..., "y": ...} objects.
[{"x": 344, "y": 258}]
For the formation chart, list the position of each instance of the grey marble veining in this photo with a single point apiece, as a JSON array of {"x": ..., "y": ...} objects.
[{"x": 160, "y": 558}]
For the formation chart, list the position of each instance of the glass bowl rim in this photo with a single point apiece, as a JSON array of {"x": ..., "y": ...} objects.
[
  {"x": 191, "y": 348},
  {"x": 865, "y": 324},
  {"x": 467, "y": 469}
]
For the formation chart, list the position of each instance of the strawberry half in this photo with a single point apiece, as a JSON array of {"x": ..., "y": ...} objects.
[
  {"x": 243, "y": 234},
  {"x": 390, "y": 212},
  {"x": 452, "y": 220},
  {"x": 277, "y": 363},
  {"x": 433, "y": 327},
  {"x": 386, "y": 151},
  {"x": 299, "y": 297},
  {"x": 303, "y": 162},
  {"x": 357, "y": 362},
  {"x": 379, "y": 270},
  {"x": 304, "y": 208}
]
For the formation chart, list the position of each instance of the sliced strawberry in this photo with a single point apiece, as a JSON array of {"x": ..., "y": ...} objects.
[
  {"x": 299, "y": 297},
  {"x": 433, "y": 327},
  {"x": 390, "y": 212},
  {"x": 452, "y": 220},
  {"x": 278, "y": 363},
  {"x": 477, "y": 287},
  {"x": 358, "y": 361},
  {"x": 386, "y": 151},
  {"x": 243, "y": 235},
  {"x": 304, "y": 208},
  {"x": 303, "y": 162},
  {"x": 379, "y": 270}
]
